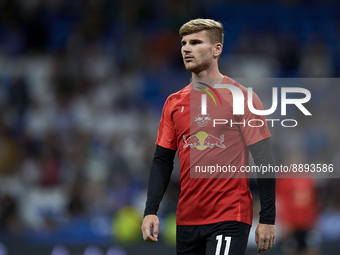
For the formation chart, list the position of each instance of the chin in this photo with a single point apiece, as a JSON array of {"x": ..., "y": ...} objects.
[{"x": 192, "y": 68}]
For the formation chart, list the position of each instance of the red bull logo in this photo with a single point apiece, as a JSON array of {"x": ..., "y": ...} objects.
[
  {"x": 202, "y": 120},
  {"x": 203, "y": 140}
]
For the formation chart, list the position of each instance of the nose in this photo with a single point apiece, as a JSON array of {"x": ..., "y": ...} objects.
[{"x": 186, "y": 48}]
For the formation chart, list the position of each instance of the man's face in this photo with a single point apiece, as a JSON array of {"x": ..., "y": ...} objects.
[{"x": 197, "y": 51}]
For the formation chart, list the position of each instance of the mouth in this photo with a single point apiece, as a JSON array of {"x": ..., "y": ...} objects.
[{"x": 188, "y": 58}]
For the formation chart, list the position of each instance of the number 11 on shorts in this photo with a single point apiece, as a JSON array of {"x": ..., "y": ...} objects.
[{"x": 219, "y": 244}]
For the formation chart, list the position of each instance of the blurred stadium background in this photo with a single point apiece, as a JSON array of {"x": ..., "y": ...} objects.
[{"x": 82, "y": 85}]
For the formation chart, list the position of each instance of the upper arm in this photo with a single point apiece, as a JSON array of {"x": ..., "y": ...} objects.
[
  {"x": 261, "y": 152},
  {"x": 166, "y": 136}
]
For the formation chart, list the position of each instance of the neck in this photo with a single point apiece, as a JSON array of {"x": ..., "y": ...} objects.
[
  {"x": 203, "y": 74},
  {"x": 208, "y": 73}
]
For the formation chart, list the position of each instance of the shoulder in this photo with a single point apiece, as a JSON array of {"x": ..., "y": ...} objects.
[
  {"x": 178, "y": 96},
  {"x": 242, "y": 88},
  {"x": 228, "y": 80}
]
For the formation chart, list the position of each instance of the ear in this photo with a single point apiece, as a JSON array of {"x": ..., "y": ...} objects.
[{"x": 217, "y": 50}]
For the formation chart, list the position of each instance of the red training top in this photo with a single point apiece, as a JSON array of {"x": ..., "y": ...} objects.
[{"x": 205, "y": 197}]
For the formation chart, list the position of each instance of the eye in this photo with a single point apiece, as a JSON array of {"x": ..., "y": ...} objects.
[{"x": 194, "y": 42}]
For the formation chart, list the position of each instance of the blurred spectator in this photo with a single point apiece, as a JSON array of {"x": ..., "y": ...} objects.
[
  {"x": 76, "y": 205},
  {"x": 289, "y": 56},
  {"x": 8, "y": 151},
  {"x": 8, "y": 214},
  {"x": 298, "y": 212},
  {"x": 317, "y": 60}
]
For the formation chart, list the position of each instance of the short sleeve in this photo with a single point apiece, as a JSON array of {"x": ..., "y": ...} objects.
[
  {"x": 166, "y": 136},
  {"x": 254, "y": 127}
]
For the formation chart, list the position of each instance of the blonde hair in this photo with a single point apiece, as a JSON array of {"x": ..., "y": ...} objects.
[{"x": 214, "y": 28}]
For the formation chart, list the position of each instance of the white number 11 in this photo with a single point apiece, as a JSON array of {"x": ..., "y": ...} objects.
[{"x": 219, "y": 244}]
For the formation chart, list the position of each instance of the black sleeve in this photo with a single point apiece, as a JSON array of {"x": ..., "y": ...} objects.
[
  {"x": 261, "y": 152},
  {"x": 162, "y": 166}
]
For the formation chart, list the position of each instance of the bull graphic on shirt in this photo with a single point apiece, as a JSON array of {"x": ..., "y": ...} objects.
[
  {"x": 193, "y": 141},
  {"x": 202, "y": 140},
  {"x": 210, "y": 141}
]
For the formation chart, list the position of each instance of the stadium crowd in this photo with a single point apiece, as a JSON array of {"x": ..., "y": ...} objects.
[{"x": 82, "y": 84}]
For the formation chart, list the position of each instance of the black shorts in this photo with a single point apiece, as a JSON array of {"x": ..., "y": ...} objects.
[{"x": 223, "y": 238}]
